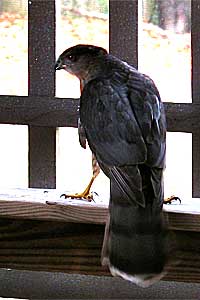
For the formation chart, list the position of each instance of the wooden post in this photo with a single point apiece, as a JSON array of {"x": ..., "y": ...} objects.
[{"x": 42, "y": 141}]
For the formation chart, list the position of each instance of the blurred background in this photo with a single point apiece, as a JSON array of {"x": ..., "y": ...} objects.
[{"x": 164, "y": 54}]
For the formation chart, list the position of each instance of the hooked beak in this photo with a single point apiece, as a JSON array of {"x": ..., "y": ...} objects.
[{"x": 59, "y": 65}]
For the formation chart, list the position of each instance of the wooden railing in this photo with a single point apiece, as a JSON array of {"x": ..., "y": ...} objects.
[
  {"x": 56, "y": 235},
  {"x": 40, "y": 231}
]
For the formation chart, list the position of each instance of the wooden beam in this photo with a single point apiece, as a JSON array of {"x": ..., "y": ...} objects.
[
  {"x": 41, "y": 46},
  {"x": 41, "y": 40},
  {"x": 123, "y": 30},
  {"x": 76, "y": 248},
  {"x": 51, "y": 246},
  {"x": 39, "y": 111},
  {"x": 58, "y": 112},
  {"x": 195, "y": 36},
  {"x": 40, "y": 231},
  {"x": 42, "y": 157},
  {"x": 196, "y": 163},
  {"x": 41, "y": 204},
  {"x": 182, "y": 117}
]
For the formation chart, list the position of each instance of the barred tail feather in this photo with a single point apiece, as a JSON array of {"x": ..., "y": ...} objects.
[
  {"x": 142, "y": 280},
  {"x": 135, "y": 242}
]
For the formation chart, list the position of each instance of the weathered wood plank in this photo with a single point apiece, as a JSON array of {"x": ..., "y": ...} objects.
[
  {"x": 58, "y": 112},
  {"x": 123, "y": 30},
  {"x": 76, "y": 248},
  {"x": 196, "y": 163},
  {"x": 47, "y": 205},
  {"x": 52, "y": 246},
  {"x": 41, "y": 46},
  {"x": 195, "y": 50},
  {"x": 41, "y": 204},
  {"x": 39, "y": 111},
  {"x": 58, "y": 212},
  {"x": 41, "y": 54},
  {"x": 195, "y": 36},
  {"x": 42, "y": 157},
  {"x": 182, "y": 117}
]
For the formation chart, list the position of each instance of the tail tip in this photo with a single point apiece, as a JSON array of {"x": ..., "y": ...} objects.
[{"x": 142, "y": 280}]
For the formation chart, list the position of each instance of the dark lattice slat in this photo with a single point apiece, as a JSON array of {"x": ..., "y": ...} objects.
[
  {"x": 195, "y": 11},
  {"x": 123, "y": 30},
  {"x": 59, "y": 112},
  {"x": 42, "y": 154}
]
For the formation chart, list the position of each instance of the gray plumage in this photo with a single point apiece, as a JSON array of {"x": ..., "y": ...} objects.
[{"x": 123, "y": 120}]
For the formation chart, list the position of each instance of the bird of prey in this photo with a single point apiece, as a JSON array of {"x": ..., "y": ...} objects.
[{"x": 122, "y": 118}]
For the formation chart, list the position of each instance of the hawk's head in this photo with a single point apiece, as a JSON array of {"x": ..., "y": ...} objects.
[{"x": 80, "y": 59}]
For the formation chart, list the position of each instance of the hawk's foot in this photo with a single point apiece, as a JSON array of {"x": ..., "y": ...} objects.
[
  {"x": 85, "y": 195},
  {"x": 171, "y": 199},
  {"x": 80, "y": 196}
]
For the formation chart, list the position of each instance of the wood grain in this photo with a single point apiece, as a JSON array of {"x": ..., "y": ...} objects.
[
  {"x": 57, "y": 212},
  {"x": 71, "y": 240},
  {"x": 40, "y": 204},
  {"x": 41, "y": 58},
  {"x": 42, "y": 157},
  {"x": 123, "y": 30},
  {"x": 39, "y": 111},
  {"x": 52, "y": 246},
  {"x": 59, "y": 112},
  {"x": 76, "y": 248}
]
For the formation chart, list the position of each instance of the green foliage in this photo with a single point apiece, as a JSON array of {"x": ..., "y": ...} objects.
[
  {"x": 103, "y": 4},
  {"x": 14, "y": 6},
  {"x": 96, "y": 6},
  {"x": 168, "y": 14}
]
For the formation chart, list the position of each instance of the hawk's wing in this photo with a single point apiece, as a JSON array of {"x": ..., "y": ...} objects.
[
  {"x": 82, "y": 135},
  {"x": 125, "y": 126},
  {"x": 109, "y": 123}
]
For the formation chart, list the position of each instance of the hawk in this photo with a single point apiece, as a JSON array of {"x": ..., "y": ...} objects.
[{"x": 122, "y": 118}]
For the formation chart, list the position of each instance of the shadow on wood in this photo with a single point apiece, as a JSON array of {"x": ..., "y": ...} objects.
[{"x": 76, "y": 248}]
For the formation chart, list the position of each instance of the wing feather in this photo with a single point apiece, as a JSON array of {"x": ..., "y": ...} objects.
[
  {"x": 111, "y": 125},
  {"x": 126, "y": 127}
]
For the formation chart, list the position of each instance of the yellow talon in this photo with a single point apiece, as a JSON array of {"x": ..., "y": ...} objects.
[
  {"x": 84, "y": 195},
  {"x": 172, "y": 198}
]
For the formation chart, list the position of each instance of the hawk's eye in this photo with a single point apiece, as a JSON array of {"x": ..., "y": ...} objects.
[{"x": 71, "y": 57}]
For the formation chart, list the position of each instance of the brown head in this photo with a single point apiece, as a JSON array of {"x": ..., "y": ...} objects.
[{"x": 80, "y": 60}]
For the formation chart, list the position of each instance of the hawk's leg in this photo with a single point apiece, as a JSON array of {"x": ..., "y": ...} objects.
[{"x": 86, "y": 194}]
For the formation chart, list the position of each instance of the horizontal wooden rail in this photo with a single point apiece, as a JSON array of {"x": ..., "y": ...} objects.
[
  {"x": 76, "y": 248},
  {"x": 39, "y": 204},
  {"x": 39, "y": 111},
  {"x": 59, "y": 112},
  {"x": 44, "y": 204},
  {"x": 41, "y": 231}
]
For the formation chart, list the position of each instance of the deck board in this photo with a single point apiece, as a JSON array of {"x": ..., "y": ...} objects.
[
  {"x": 42, "y": 204},
  {"x": 67, "y": 235}
]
